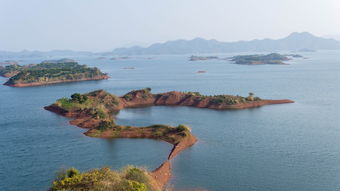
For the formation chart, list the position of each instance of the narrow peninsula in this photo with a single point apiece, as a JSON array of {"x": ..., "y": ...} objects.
[
  {"x": 49, "y": 72},
  {"x": 96, "y": 111}
]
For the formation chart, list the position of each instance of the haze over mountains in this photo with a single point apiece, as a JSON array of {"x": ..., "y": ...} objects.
[{"x": 293, "y": 42}]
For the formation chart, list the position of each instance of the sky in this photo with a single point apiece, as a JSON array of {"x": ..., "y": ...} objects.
[{"x": 102, "y": 25}]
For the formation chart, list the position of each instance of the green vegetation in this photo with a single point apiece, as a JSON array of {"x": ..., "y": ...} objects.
[
  {"x": 182, "y": 128},
  {"x": 98, "y": 104},
  {"x": 11, "y": 70},
  {"x": 146, "y": 90},
  {"x": 74, "y": 104},
  {"x": 164, "y": 132},
  {"x": 195, "y": 94},
  {"x": 79, "y": 98},
  {"x": 143, "y": 93},
  {"x": 128, "y": 97},
  {"x": 103, "y": 179},
  {"x": 272, "y": 58},
  {"x": 223, "y": 99},
  {"x": 106, "y": 124},
  {"x": 49, "y": 71}
]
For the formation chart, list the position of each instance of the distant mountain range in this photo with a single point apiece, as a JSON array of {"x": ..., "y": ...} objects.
[
  {"x": 293, "y": 42},
  {"x": 336, "y": 37}
]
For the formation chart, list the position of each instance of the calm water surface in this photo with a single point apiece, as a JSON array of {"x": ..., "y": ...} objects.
[{"x": 279, "y": 147}]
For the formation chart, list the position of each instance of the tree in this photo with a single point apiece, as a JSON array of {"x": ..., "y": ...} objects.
[
  {"x": 250, "y": 97},
  {"x": 77, "y": 97}
]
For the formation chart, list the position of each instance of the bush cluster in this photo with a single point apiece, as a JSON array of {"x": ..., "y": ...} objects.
[
  {"x": 77, "y": 97},
  {"x": 103, "y": 179}
]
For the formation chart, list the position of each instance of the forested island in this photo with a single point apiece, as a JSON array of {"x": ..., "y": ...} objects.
[
  {"x": 49, "y": 72},
  {"x": 258, "y": 59},
  {"x": 96, "y": 111},
  {"x": 255, "y": 59}
]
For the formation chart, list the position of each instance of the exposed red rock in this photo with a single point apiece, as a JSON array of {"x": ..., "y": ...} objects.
[
  {"x": 85, "y": 122},
  {"x": 184, "y": 144},
  {"x": 162, "y": 174}
]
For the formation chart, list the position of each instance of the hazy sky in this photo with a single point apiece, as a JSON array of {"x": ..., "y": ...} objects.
[{"x": 100, "y": 25}]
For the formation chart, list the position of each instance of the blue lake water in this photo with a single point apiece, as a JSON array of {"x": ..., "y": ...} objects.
[{"x": 278, "y": 147}]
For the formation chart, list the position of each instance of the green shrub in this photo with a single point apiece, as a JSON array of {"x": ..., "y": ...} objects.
[
  {"x": 216, "y": 101},
  {"x": 79, "y": 98},
  {"x": 130, "y": 185},
  {"x": 136, "y": 186},
  {"x": 106, "y": 125},
  {"x": 195, "y": 94},
  {"x": 146, "y": 90},
  {"x": 136, "y": 174},
  {"x": 128, "y": 97},
  {"x": 257, "y": 99},
  {"x": 158, "y": 134},
  {"x": 181, "y": 128},
  {"x": 65, "y": 103}
]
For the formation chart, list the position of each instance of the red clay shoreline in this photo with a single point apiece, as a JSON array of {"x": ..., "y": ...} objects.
[
  {"x": 55, "y": 82},
  {"x": 140, "y": 98}
]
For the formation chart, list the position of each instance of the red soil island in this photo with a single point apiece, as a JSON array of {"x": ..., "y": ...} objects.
[{"x": 96, "y": 111}]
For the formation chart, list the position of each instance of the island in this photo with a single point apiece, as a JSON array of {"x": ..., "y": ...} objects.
[
  {"x": 49, "y": 72},
  {"x": 96, "y": 112},
  {"x": 201, "y": 72},
  {"x": 259, "y": 59},
  {"x": 120, "y": 58},
  {"x": 197, "y": 58},
  {"x": 306, "y": 50},
  {"x": 294, "y": 55},
  {"x": 128, "y": 68}
]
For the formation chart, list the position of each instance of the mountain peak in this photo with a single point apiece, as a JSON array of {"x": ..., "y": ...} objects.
[
  {"x": 301, "y": 35},
  {"x": 198, "y": 39}
]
